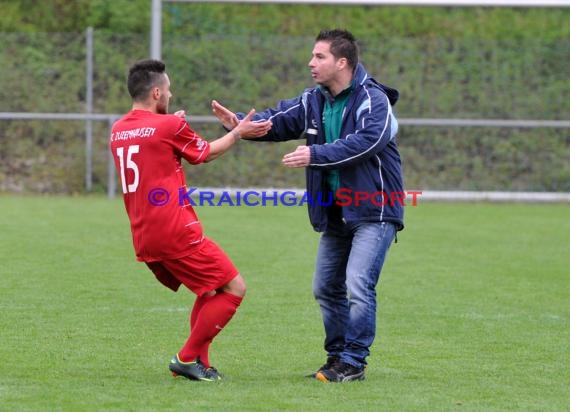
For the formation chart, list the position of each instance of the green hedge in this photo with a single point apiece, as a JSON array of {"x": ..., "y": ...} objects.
[{"x": 447, "y": 63}]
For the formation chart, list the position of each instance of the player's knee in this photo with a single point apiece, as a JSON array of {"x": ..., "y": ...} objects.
[
  {"x": 236, "y": 286},
  {"x": 238, "y": 290}
]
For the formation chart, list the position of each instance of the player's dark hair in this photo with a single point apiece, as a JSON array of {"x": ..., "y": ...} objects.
[
  {"x": 143, "y": 76},
  {"x": 342, "y": 44}
]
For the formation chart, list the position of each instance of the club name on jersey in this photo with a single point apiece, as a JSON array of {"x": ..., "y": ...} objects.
[{"x": 140, "y": 132}]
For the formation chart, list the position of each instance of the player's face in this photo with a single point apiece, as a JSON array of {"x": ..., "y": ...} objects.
[
  {"x": 164, "y": 96},
  {"x": 323, "y": 64}
]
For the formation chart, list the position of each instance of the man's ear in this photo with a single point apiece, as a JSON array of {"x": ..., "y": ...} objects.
[
  {"x": 156, "y": 93},
  {"x": 341, "y": 63}
]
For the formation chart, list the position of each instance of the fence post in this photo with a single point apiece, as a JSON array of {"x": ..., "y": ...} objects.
[
  {"x": 111, "y": 178},
  {"x": 89, "y": 110}
]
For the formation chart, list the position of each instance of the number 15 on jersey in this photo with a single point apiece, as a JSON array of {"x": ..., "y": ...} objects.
[{"x": 127, "y": 162}]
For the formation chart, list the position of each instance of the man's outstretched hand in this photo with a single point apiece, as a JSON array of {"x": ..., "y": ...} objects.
[
  {"x": 249, "y": 129},
  {"x": 228, "y": 118}
]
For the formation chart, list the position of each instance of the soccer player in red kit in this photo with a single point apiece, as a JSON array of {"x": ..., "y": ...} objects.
[{"x": 147, "y": 146}]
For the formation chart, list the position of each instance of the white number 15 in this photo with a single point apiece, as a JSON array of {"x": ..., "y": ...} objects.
[{"x": 130, "y": 165}]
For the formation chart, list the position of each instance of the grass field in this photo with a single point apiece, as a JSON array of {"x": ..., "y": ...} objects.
[{"x": 474, "y": 308}]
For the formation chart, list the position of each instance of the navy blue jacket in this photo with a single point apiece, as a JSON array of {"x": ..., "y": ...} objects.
[{"x": 366, "y": 154}]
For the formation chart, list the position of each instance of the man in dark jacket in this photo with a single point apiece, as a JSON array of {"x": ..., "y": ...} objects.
[{"x": 355, "y": 182}]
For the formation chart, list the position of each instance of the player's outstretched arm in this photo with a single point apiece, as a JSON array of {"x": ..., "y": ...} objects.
[{"x": 245, "y": 128}]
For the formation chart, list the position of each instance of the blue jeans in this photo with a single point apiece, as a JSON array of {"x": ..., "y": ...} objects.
[{"x": 349, "y": 261}]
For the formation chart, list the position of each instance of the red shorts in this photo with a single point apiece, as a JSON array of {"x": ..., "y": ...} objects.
[{"x": 206, "y": 269}]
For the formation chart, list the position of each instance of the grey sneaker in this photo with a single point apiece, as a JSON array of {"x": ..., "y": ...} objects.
[
  {"x": 332, "y": 361},
  {"x": 341, "y": 372},
  {"x": 195, "y": 371}
]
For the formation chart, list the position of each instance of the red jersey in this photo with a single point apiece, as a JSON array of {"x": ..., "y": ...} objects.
[{"x": 147, "y": 149}]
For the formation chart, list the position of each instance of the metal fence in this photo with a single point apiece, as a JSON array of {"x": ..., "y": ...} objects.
[{"x": 456, "y": 195}]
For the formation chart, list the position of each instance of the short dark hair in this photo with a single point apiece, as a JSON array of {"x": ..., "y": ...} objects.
[
  {"x": 143, "y": 76},
  {"x": 342, "y": 44}
]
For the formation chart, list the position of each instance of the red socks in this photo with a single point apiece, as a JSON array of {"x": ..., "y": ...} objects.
[
  {"x": 210, "y": 314},
  {"x": 198, "y": 305}
]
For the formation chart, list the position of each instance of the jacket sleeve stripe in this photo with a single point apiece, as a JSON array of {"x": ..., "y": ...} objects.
[{"x": 283, "y": 111}]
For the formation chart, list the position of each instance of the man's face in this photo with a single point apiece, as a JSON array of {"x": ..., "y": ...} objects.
[
  {"x": 164, "y": 96},
  {"x": 323, "y": 64}
]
